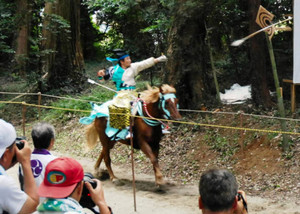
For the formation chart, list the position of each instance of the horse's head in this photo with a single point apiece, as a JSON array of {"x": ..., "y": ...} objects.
[
  {"x": 169, "y": 102},
  {"x": 164, "y": 97}
]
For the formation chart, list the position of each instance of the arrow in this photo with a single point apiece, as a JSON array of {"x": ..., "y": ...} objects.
[
  {"x": 94, "y": 82},
  {"x": 241, "y": 41}
]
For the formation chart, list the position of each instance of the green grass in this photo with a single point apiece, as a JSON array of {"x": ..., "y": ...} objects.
[
  {"x": 221, "y": 144},
  {"x": 81, "y": 102}
]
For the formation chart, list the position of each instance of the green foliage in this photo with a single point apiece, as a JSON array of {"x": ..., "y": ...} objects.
[
  {"x": 64, "y": 107},
  {"x": 112, "y": 40},
  {"x": 58, "y": 25},
  {"x": 129, "y": 19},
  {"x": 7, "y": 26},
  {"x": 220, "y": 144}
]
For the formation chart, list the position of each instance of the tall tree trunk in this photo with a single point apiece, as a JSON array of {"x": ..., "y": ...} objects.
[
  {"x": 64, "y": 62},
  {"x": 22, "y": 35},
  {"x": 260, "y": 90},
  {"x": 188, "y": 57}
]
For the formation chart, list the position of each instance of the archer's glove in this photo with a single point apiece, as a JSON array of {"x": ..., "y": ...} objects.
[{"x": 162, "y": 58}]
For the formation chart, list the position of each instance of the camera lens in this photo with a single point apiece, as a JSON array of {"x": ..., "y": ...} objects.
[{"x": 19, "y": 143}]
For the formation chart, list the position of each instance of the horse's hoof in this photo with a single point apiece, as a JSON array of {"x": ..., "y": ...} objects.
[
  {"x": 102, "y": 175},
  {"x": 118, "y": 182},
  {"x": 96, "y": 168},
  {"x": 160, "y": 182},
  {"x": 160, "y": 188}
]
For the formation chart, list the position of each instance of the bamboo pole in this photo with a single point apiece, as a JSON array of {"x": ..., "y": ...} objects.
[
  {"x": 132, "y": 164},
  {"x": 214, "y": 73},
  {"x": 213, "y": 67},
  {"x": 285, "y": 142}
]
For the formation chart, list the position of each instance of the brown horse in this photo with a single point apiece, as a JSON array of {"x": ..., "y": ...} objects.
[{"x": 154, "y": 103}]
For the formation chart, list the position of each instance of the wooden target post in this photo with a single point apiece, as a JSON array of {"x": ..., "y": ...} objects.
[{"x": 293, "y": 93}]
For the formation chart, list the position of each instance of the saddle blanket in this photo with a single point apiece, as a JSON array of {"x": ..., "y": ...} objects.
[{"x": 103, "y": 111}]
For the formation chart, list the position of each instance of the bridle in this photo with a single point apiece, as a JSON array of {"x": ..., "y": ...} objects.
[
  {"x": 141, "y": 104},
  {"x": 162, "y": 103}
]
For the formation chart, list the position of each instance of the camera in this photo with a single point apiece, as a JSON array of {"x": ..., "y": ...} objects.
[
  {"x": 20, "y": 146},
  {"x": 86, "y": 200},
  {"x": 240, "y": 197},
  {"x": 19, "y": 143}
]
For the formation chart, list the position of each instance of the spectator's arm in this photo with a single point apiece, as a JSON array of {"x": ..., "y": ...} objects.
[
  {"x": 241, "y": 207},
  {"x": 23, "y": 157},
  {"x": 97, "y": 196}
]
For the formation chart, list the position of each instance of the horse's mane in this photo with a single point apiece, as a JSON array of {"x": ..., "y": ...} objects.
[
  {"x": 166, "y": 89},
  {"x": 151, "y": 95}
]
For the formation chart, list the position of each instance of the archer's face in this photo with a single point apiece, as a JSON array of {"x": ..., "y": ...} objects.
[{"x": 125, "y": 63}]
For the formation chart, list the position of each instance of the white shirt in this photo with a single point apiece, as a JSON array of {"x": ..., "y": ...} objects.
[
  {"x": 12, "y": 198},
  {"x": 134, "y": 69},
  {"x": 39, "y": 160}
]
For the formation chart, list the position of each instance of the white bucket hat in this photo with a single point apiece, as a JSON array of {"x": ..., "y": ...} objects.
[{"x": 7, "y": 135}]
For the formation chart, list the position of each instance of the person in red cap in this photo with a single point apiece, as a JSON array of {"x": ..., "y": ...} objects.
[
  {"x": 62, "y": 187},
  {"x": 12, "y": 198}
]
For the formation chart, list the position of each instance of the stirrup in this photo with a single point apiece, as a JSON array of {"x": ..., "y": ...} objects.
[
  {"x": 166, "y": 131},
  {"x": 128, "y": 136}
]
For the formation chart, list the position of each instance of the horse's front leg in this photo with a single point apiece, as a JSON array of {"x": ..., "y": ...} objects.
[{"x": 153, "y": 156}]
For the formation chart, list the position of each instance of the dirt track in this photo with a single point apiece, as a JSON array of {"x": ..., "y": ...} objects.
[{"x": 171, "y": 199}]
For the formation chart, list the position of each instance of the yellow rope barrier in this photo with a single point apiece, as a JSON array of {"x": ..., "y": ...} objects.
[
  {"x": 171, "y": 121},
  {"x": 226, "y": 127},
  {"x": 45, "y": 95},
  {"x": 181, "y": 110},
  {"x": 50, "y": 107}
]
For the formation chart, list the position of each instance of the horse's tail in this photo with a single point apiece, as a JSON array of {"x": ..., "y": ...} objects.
[{"x": 91, "y": 135}]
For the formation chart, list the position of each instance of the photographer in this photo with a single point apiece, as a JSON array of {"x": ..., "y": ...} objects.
[
  {"x": 63, "y": 185},
  {"x": 219, "y": 193},
  {"x": 12, "y": 199}
]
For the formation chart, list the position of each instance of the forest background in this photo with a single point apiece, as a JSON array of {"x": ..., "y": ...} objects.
[{"x": 48, "y": 43}]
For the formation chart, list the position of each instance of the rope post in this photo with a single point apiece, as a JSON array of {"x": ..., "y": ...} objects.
[
  {"x": 132, "y": 164},
  {"x": 23, "y": 116},
  {"x": 242, "y": 132},
  {"x": 39, "y": 103}
]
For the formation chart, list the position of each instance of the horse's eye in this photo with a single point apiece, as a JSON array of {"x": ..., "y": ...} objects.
[{"x": 167, "y": 104}]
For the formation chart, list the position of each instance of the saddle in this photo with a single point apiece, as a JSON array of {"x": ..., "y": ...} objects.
[{"x": 117, "y": 111}]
